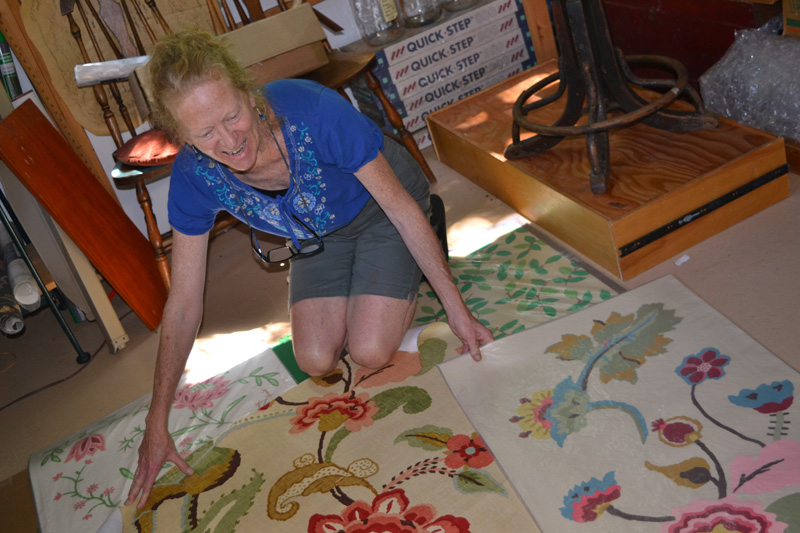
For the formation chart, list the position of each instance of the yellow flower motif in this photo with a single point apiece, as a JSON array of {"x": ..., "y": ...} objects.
[{"x": 532, "y": 415}]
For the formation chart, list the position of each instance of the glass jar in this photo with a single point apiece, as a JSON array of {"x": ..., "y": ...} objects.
[
  {"x": 379, "y": 21},
  {"x": 458, "y": 5},
  {"x": 421, "y": 12}
]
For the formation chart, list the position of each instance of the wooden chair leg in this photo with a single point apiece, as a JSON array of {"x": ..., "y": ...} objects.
[
  {"x": 162, "y": 261},
  {"x": 397, "y": 122}
]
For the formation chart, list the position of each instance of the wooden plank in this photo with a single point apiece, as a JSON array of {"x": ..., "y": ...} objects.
[
  {"x": 703, "y": 228},
  {"x": 65, "y": 187},
  {"x": 30, "y": 59},
  {"x": 544, "y": 42}
]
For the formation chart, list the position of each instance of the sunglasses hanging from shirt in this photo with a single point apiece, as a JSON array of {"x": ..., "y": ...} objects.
[{"x": 282, "y": 254}]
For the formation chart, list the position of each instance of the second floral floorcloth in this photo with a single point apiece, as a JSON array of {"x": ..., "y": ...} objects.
[{"x": 648, "y": 412}]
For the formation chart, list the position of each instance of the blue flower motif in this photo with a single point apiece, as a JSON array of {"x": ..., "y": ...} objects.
[
  {"x": 708, "y": 363},
  {"x": 568, "y": 412},
  {"x": 775, "y": 397},
  {"x": 587, "y": 501}
]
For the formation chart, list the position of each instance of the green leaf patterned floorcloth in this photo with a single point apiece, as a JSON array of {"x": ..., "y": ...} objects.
[
  {"x": 386, "y": 446},
  {"x": 517, "y": 282}
]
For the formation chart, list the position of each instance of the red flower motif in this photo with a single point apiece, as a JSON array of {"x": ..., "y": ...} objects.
[
  {"x": 678, "y": 431},
  {"x": 333, "y": 410},
  {"x": 58, "y": 497},
  {"x": 201, "y": 395},
  {"x": 723, "y": 515},
  {"x": 92, "y": 488},
  {"x": 708, "y": 364},
  {"x": 389, "y": 513},
  {"x": 87, "y": 517},
  {"x": 467, "y": 452},
  {"x": 58, "y": 476},
  {"x": 87, "y": 446},
  {"x": 80, "y": 505}
]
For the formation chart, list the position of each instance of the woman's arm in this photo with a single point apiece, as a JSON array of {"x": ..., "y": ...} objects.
[
  {"x": 182, "y": 315},
  {"x": 418, "y": 235}
]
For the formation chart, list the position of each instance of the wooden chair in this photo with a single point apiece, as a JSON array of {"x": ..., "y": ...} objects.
[
  {"x": 147, "y": 156},
  {"x": 343, "y": 68}
]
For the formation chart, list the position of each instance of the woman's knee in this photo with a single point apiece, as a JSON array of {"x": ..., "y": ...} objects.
[
  {"x": 317, "y": 364},
  {"x": 371, "y": 355}
]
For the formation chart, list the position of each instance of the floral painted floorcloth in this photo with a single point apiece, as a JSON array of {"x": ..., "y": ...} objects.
[
  {"x": 320, "y": 455},
  {"x": 649, "y": 412}
]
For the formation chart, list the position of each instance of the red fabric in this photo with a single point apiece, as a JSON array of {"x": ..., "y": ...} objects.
[{"x": 148, "y": 149}]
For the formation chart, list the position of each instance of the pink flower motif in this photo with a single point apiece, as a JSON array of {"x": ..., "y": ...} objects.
[
  {"x": 58, "y": 497},
  {"x": 389, "y": 513},
  {"x": 87, "y": 517},
  {"x": 87, "y": 446},
  {"x": 80, "y": 505},
  {"x": 92, "y": 488},
  {"x": 333, "y": 410},
  {"x": 727, "y": 515},
  {"x": 403, "y": 365},
  {"x": 58, "y": 476},
  {"x": 776, "y": 467},
  {"x": 109, "y": 491},
  {"x": 201, "y": 395},
  {"x": 467, "y": 452}
]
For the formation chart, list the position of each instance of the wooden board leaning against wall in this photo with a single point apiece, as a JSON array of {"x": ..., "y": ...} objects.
[{"x": 14, "y": 31}]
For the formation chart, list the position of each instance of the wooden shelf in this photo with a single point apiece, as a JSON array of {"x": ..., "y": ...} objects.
[{"x": 658, "y": 178}]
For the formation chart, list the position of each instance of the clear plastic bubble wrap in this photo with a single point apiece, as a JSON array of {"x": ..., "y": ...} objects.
[{"x": 757, "y": 81}]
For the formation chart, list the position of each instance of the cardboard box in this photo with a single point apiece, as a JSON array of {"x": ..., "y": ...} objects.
[
  {"x": 449, "y": 30},
  {"x": 284, "y": 45},
  {"x": 399, "y": 71},
  {"x": 791, "y": 17},
  {"x": 446, "y": 94}
]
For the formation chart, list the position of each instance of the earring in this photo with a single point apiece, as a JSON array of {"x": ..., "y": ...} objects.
[
  {"x": 197, "y": 154},
  {"x": 260, "y": 114}
]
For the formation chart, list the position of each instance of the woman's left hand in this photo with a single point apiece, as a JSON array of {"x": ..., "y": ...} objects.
[{"x": 472, "y": 333}]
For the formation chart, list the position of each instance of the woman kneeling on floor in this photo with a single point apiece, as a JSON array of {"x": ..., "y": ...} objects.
[{"x": 297, "y": 160}]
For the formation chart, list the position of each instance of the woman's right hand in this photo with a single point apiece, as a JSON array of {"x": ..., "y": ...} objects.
[{"x": 156, "y": 449}]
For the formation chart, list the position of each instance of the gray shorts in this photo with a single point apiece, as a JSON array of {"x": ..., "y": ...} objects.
[{"x": 368, "y": 255}]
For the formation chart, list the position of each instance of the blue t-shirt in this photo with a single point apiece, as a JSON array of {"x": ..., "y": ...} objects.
[{"x": 326, "y": 141}]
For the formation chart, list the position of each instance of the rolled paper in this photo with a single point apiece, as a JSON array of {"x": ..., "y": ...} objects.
[
  {"x": 23, "y": 285},
  {"x": 10, "y": 313}
]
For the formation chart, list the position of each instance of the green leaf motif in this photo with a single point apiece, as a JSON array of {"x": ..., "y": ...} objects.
[
  {"x": 431, "y": 438},
  {"x": 432, "y": 352},
  {"x": 620, "y": 345},
  {"x": 336, "y": 439},
  {"x": 787, "y": 510},
  {"x": 412, "y": 399},
  {"x": 232, "y": 506},
  {"x": 632, "y": 339},
  {"x": 477, "y": 481},
  {"x": 126, "y": 473},
  {"x": 573, "y": 348}
]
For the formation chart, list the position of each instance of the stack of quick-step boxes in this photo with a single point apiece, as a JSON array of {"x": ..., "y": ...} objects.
[{"x": 437, "y": 65}]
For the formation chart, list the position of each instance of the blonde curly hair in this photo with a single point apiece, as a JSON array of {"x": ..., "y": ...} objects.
[{"x": 183, "y": 60}]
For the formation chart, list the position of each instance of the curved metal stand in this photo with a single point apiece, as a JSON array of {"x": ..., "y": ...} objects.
[{"x": 591, "y": 70}]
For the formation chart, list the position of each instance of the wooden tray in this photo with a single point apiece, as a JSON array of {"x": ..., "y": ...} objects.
[{"x": 668, "y": 190}]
